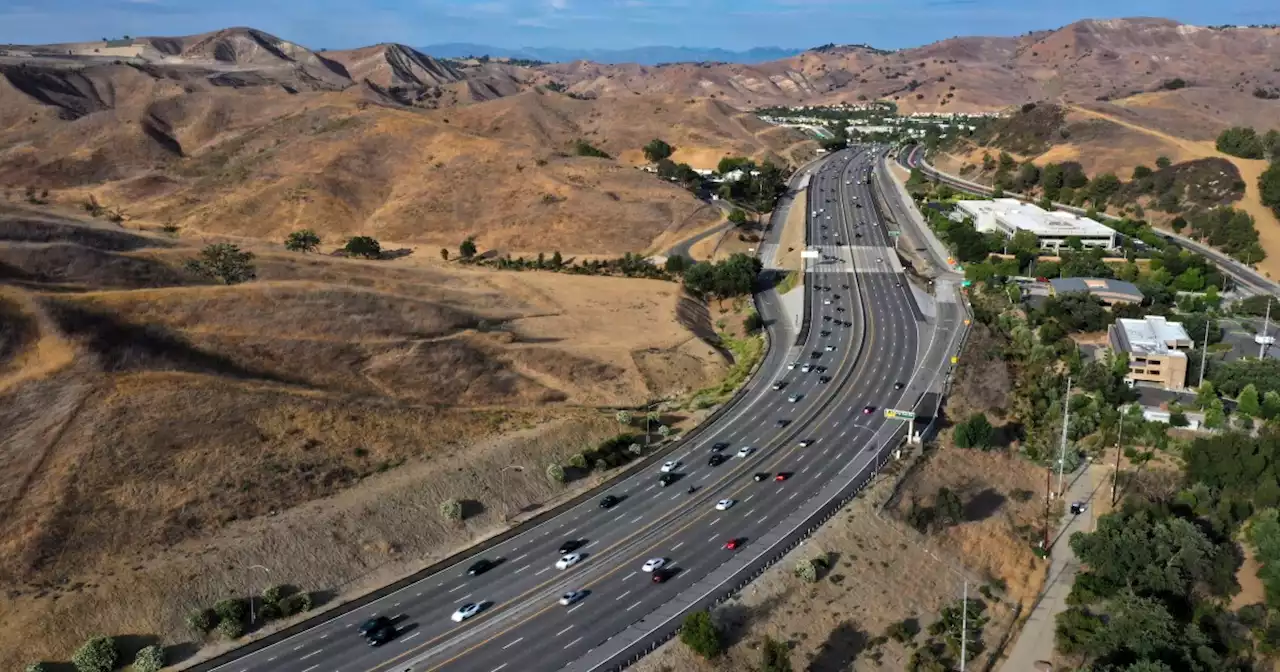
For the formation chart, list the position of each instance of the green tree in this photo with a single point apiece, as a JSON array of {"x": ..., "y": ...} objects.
[
  {"x": 1028, "y": 176},
  {"x": 676, "y": 264},
  {"x": 1271, "y": 404},
  {"x": 557, "y": 261},
  {"x": 37, "y": 667},
  {"x": 363, "y": 246},
  {"x": 657, "y": 150},
  {"x": 149, "y": 659},
  {"x": 202, "y": 620},
  {"x": 1178, "y": 224},
  {"x": 737, "y": 217},
  {"x": 99, "y": 654},
  {"x": 1269, "y": 187},
  {"x": 700, "y": 278},
  {"x": 976, "y": 432},
  {"x": 1205, "y": 395},
  {"x": 1215, "y": 416},
  {"x": 988, "y": 162},
  {"x": 584, "y": 148},
  {"x": 305, "y": 240},
  {"x": 468, "y": 248},
  {"x": 1141, "y": 172},
  {"x": 1163, "y": 162},
  {"x": 1241, "y": 141},
  {"x": 224, "y": 262},
  {"x": 701, "y": 636},
  {"x": 1007, "y": 162},
  {"x": 775, "y": 656},
  {"x": 555, "y": 473},
  {"x": 1248, "y": 402}
]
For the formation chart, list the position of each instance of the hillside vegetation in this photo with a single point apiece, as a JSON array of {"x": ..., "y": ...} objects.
[{"x": 166, "y": 427}]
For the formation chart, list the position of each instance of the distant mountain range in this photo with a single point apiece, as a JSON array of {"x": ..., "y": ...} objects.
[{"x": 640, "y": 55}]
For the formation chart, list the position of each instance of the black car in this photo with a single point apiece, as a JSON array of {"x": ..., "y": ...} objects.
[
  {"x": 898, "y": 385},
  {"x": 826, "y": 318},
  {"x": 760, "y": 477},
  {"x": 608, "y": 502},
  {"x": 845, "y": 286},
  {"x": 661, "y": 575},
  {"x": 815, "y": 354},
  {"x": 824, "y": 379},
  {"x": 378, "y": 630},
  {"x": 820, "y": 369},
  {"x": 824, "y": 333},
  {"x": 570, "y": 546},
  {"x": 716, "y": 460},
  {"x": 782, "y": 422},
  {"x": 719, "y": 446},
  {"x": 667, "y": 479},
  {"x": 480, "y": 567}
]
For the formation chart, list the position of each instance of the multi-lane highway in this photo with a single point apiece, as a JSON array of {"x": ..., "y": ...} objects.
[{"x": 866, "y": 335}]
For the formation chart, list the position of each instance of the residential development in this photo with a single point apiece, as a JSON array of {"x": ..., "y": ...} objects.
[
  {"x": 1054, "y": 230},
  {"x": 1157, "y": 350}
]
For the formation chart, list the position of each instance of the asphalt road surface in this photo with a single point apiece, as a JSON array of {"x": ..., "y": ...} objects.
[{"x": 521, "y": 626}]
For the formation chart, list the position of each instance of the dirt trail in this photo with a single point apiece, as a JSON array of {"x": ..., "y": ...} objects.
[{"x": 1250, "y": 171}]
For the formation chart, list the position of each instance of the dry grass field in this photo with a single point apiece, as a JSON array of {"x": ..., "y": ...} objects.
[{"x": 169, "y": 432}]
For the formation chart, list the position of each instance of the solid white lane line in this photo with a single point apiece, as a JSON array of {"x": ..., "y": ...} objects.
[
  {"x": 512, "y": 644},
  {"x": 573, "y": 642},
  {"x": 622, "y": 596},
  {"x": 564, "y": 631}
]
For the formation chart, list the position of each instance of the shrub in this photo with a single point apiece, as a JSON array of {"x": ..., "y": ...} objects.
[
  {"x": 1241, "y": 141},
  {"x": 623, "y": 417},
  {"x": 96, "y": 655},
  {"x": 296, "y": 604},
  {"x": 363, "y": 246},
  {"x": 903, "y": 631},
  {"x": 202, "y": 620},
  {"x": 273, "y": 594},
  {"x": 37, "y": 667},
  {"x": 775, "y": 656},
  {"x": 555, "y": 472},
  {"x": 807, "y": 571},
  {"x": 150, "y": 659},
  {"x": 584, "y": 148},
  {"x": 269, "y": 611},
  {"x": 230, "y": 629},
  {"x": 578, "y": 461},
  {"x": 232, "y": 609},
  {"x": 451, "y": 510},
  {"x": 468, "y": 248},
  {"x": 657, "y": 150},
  {"x": 224, "y": 262},
  {"x": 305, "y": 240},
  {"x": 700, "y": 635}
]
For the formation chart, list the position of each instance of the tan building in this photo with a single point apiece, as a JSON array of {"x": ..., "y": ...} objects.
[
  {"x": 1157, "y": 350},
  {"x": 1109, "y": 291}
]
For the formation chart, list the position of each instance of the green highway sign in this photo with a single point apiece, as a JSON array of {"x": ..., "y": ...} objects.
[
  {"x": 893, "y": 413},
  {"x": 895, "y": 234}
]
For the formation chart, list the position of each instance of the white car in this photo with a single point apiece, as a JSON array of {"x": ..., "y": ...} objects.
[
  {"x": 670, "y": 466},
  {"x": 879, "y": 261},
  {"x": 567, "y": 561},
  {"x": 793, "y": 398},
  {"x": 572, "y": 596},
  {"x": 465, "y": 611},
  {"x": 724, "y": 504},
  {"x": 826, "y": 302},
  {"x": 745, "y": 451},
  {"x": 831, "y": 348},
  {"x": 806, "y": 368},
  {"x": 792, "y": 366},
  {"x": 654, "y": 563}
]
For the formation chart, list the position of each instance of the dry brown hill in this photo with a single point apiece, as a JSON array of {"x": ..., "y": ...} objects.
[
  {"x": 160, "y": 427},
  {"x": 1077, "y": 63}
]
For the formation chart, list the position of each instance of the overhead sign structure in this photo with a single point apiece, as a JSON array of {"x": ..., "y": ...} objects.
[{"x": 893, "y": 413}]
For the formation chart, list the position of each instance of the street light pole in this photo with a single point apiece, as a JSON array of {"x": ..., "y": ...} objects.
[{"x": 252, "y": 614}]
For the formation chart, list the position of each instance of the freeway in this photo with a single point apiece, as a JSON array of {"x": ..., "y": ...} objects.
[
  {"x": 856, "y": 284},
  {"x": 1248, "y": 280}
]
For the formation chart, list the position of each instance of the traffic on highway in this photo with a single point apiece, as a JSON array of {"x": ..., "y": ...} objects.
[{"x": 641, "y": 550}]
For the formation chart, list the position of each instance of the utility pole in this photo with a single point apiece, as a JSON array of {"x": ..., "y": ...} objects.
[
  {"x": 252, "y": 613},
  {"x": 1266, "y": 326},
  {"x": 1204, "y": 352},
  {"x": 964, "y": 625},
  {"x": 1115, "y": 482},
  {"x": 1066, "y": 416}
]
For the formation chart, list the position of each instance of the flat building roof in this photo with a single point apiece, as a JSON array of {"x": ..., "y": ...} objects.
[
  {"x": 1029, "y": 217},
  {"x": 1153, "y": 335}
]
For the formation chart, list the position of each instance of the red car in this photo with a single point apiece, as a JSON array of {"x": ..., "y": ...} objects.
[
  {"x": 868, "y": 410},
  {"x": 731, "y": 545},
  {"x": 781, "y": 477}
]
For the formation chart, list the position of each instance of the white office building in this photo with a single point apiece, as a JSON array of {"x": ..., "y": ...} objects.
[{"x": 1009, "y": 215}]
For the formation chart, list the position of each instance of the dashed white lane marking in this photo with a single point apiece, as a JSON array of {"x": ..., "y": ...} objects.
[
  {"x": 748, "y": 498},
  {"x": 573, "y": 642},
  {"x": 411, "y": 636},
  {"x": 637, "y": 519},
  {"x": 456, "y": 588},
  {"x": 573, "y": 609},
  {"x": 521, "y": 569},
  {"x": 711, "y": 538},
  {"x": 564, "y": 631},
  {"x": 298, "y": 647},
  {"x": 714, "y": 521},
  {"x": 762, "y": 519},
  {"x": 542, "y": 571},
  {"x": 793, "y": 496},
  {"x": 673, "y": 548},
  {"x": 675, "y": 497},
  {"x": 633, "y": 606},
  {"x": 498, "y": 667},
  {"x": 463, "y": 598},
  {"x": 622, "y": 596},
  {"x": 629, "y": 576},
  {"x": 511, "y": 645},
  {"x": 651, "y": 486},
  {"x": 522, "y": 557},
  {"x": 311, "y": 668}
]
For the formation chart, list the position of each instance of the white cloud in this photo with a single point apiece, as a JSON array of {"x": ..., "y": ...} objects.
[{"x": 558, "y": 5}]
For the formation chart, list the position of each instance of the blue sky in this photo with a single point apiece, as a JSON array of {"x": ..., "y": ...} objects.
[{"x": 732, "y": 24}]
